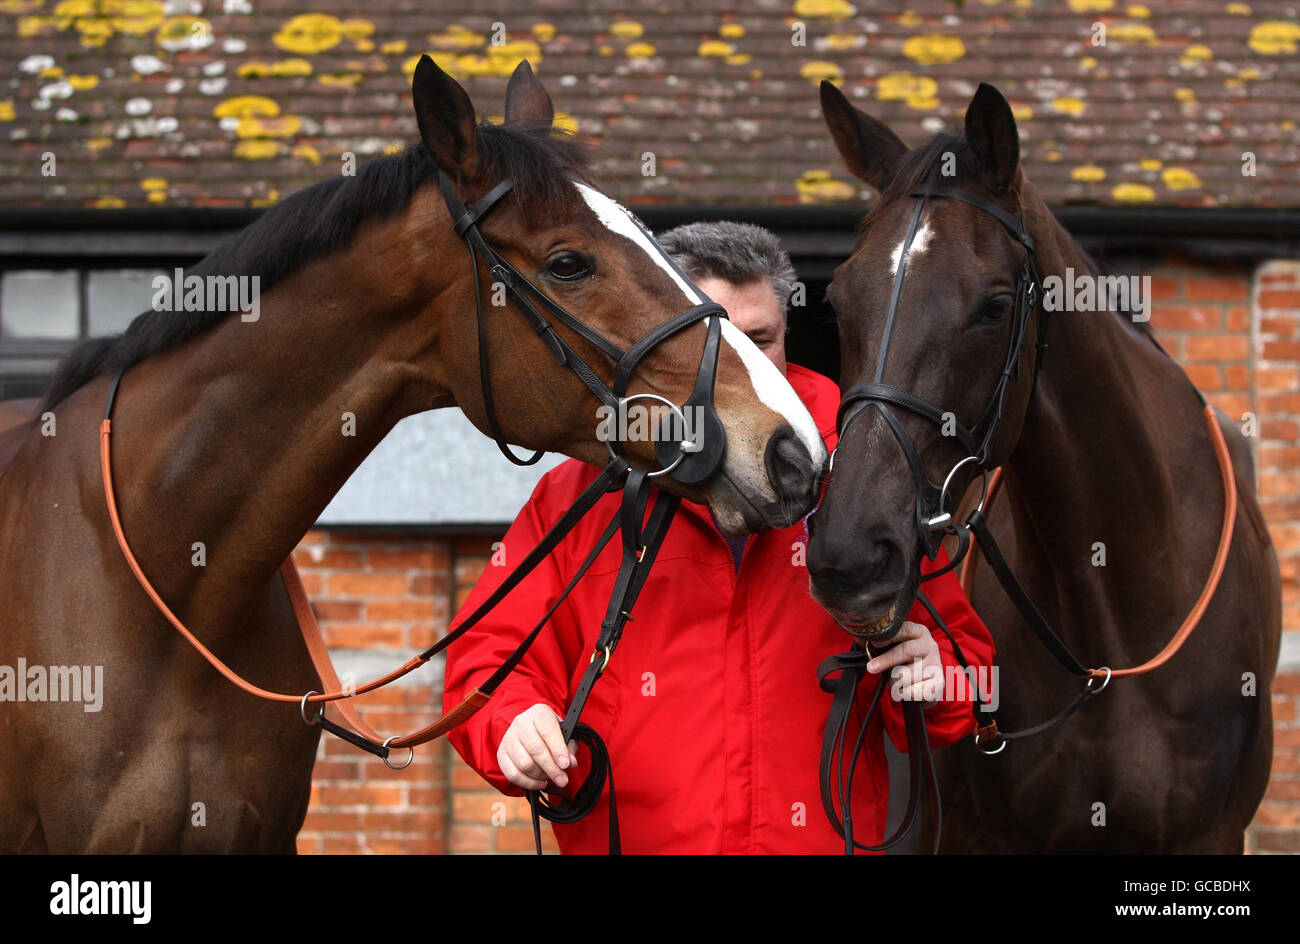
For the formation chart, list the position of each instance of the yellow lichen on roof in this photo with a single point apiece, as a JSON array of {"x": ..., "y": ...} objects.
[
  {"x": 285, "y": 126},
  {"x": 565, "y": 122},
  {"x": 7, "y": 111},
  {"x": 934, "y": 49},
  {"x": 1091, "y": 6},
  {"x": 716, "y": 48},
  {"x": 1133, "y": 33},
  {"x": 305, "y": 152},
  {"x": 1274, "y": 37},
  {"x": 1150, "y": 163},
  {"x": 640, "y": 50},
  {"x": 544, "y": 32},
  {"x": 824, "y": 9},
  {"x": 282, "y": 68},
  {"x": 311, "y": 33},
  {"x": 626, "y": 29},
  {"x": 817, "y": 71},
  {"x": 83, "y": 82},
  {"x": 731, "y": 31},
  {"x": 257, "y": 149},
  {"x": 917, "y": 91},
  {"x": 1088, "y": 173},
  {"x": 247, "y": 106},
  {"x": 1180, "y": 178},
  {"x": 818, "y": 186},
  {"x": 456, "y": 38},
  {"x": 1238, "y": 9},
  {"x": 1070, "y": 106},
  {"x": 1133, "y": 193}
]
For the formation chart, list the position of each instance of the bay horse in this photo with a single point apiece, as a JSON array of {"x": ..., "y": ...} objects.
[
  {"x": 235, "y": 434},
  {"x": 1104, "y": 444}
]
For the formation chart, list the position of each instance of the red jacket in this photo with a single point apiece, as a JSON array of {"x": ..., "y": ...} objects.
[{"x": 710, "y": 705}]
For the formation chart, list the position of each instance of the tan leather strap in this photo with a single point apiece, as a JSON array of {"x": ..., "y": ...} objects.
[
  {"x": 1228, "y": 474},
  {"x": 307, "y": 625}
]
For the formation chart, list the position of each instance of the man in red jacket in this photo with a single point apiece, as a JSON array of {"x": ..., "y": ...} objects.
[{"x": 710, "y": 706}]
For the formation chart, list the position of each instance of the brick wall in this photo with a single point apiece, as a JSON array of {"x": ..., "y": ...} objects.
[{"x": 382, "y": 596}]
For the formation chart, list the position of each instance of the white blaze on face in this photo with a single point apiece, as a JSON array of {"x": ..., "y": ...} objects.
[
  {"x": 772, "y": 389},
  {"x": 616, "y": 218},
  {"x": 919, "y": 242}
]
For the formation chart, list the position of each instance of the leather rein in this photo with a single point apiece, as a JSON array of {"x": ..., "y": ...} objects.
[
  {"x": 841, "y": 674},
  {"x": 690, "y": 461}
]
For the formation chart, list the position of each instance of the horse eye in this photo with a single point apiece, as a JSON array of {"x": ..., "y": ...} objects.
[
  {"x": 567, "y": 266},
  {"x": 996, "y": 308}
]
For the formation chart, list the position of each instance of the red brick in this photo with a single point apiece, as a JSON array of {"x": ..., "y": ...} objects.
[
  {"x": 1217, "y": 289},
  {"x": 330, "y": 558},
  {"x": 312, "y": 584},
  {"x": 514, "y": 838},
  {"x": 426, "y": 559},
  {"x": 1273, "y": 378},
  {"x": 1235, "y": 405},
  {"x": 371, "y": 794},
  {"x": 364, "y": 635},
  {"x": 1188, "y": 318},
  {"x": 475, "y": 807},
  {"x": 470, "y": 838},
  {"x": 1282, "y": 328},
  {"x": 1163, "y": 288},
  {"x": 1205, "y": 376},
  {"x": 1287, "y": 431},
  {"x": 1237, "y": 377},
  {"x": 337, "y": 610},
  {"x": 1277, "y": 298},
  {"x": 398, "y": 611},
  {"x": 1281, "y": 351},
  {"x": 406, "y": 820},
  {"x": 367, "y": 585},
  {"x": 308, "y": 844},
  {"x": 1237, "y": 318},
  {"x": 331, "y": 822},
  {"x": 464, "y": 777},
  {"x": 1217, "y": 347},
  {"x": 342, "y": 845},
  {"x": 378, "y": 846}
]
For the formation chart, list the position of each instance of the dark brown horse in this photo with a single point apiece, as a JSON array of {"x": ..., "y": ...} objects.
[
  {"x": 236, "y": 434},
  {"x": 1103, "y": 448}
]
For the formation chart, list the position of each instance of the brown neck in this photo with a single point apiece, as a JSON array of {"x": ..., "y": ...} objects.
[
  {"x": 239, "y": 438},
  {"x": 1093, "y": 465}
]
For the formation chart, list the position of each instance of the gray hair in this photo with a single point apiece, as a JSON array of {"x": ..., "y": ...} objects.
[{"x": 739, "y": 253}]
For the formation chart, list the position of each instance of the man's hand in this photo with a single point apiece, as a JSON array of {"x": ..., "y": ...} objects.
[
  {"x": 533, "y": 750},
  {"x": 919, "y": 676}
]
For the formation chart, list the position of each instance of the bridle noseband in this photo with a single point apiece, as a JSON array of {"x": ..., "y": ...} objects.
[
  {"x": 933, "y": 517},
  {"x": 688, "y": 461}
]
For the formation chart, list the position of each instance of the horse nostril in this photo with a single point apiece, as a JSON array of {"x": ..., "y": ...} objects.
[{"x": 789, "y": 466}]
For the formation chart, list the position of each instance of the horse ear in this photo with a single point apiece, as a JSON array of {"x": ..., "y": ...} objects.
[
  {"x": 869, "y": 148},
  {"x": 527, "y": 101},
  {"x": 992, "y": 135},
  {"x": 445, "y": 116}
]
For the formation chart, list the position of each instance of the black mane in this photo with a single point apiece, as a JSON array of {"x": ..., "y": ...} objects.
[{"x": 324, "y": 217}]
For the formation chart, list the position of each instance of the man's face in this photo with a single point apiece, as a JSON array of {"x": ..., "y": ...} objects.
[{"x": 754, "y": 309}]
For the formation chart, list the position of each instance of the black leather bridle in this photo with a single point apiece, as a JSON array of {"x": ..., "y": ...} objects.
[
  {"x": 689, "y": 461},
  {"x": 933, "y": 518},
  {"x": 840, "y": 675}
]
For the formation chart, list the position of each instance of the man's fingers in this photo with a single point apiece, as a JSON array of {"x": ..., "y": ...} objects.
[
  {"x": 548, "y": 728},
  {"x": 533, "y": 742},
  {"x": 901, "y": 654},
  {"x": 514, "y": 776}
]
